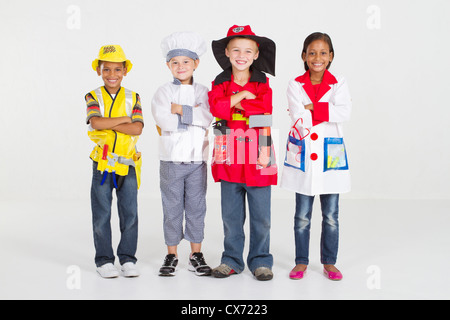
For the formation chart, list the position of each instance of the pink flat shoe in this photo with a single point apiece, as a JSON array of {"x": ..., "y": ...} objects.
[
  {"x": 297, "y": 275},
  {"x": 335, "y": 276}
]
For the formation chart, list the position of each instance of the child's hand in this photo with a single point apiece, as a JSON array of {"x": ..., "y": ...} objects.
[
  {"x": 177, "y": 109},
  {"x": 309, "y": 107},
  {"x": 239, "y": 107},
  {"x": 249, "y": 95},
  {"x": 235, "y": 99},
  {"x": 102, "y": 123}
]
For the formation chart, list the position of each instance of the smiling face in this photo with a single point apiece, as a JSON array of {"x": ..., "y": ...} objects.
[
  {"x": 242, "y": 52},
  {"x": 112, "y": 74},
  {"x": 317, "y": 57},
  {"x": 183, "y": 68}
]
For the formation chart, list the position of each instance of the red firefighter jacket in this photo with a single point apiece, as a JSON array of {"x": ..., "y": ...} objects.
[{"x": 243, "y": 142}]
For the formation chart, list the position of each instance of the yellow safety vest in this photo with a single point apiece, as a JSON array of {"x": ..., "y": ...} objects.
[{"x": 115, "y": 151}]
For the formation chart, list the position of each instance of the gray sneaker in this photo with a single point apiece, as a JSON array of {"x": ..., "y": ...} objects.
[
  {"x": 263, "y": 274},
  {"x": 223, "y": 271}
]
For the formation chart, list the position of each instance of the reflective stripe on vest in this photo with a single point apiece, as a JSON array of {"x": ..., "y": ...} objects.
[
  {"x": 237, "y": 117},
  {"x": 128, "y": 100}
]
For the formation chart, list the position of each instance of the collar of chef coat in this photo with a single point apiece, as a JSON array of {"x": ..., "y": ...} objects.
[
  {"x": 328, "y": 79},
  {"x": 178, "y": 82},
  {"x": 256, "y": 76}
]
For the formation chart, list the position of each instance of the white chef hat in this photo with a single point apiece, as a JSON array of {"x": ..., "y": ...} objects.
[{"x": 189, "y": 44}]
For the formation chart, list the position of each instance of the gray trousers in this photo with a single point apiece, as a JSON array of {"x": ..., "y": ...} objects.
[{"x": 183, "y": 194}]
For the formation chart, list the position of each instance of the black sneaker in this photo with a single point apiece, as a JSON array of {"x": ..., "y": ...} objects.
[
  {"x": 198, "y": 265},
  {"x": 170, "y": 266}
]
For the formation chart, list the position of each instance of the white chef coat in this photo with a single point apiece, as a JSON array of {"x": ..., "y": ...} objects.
[
  {"x": 183, "y": 138},
  {"x": 318, "y": 163}
]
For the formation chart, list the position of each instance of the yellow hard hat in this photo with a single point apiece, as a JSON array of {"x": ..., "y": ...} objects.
[{"x": 112, "y": 53}]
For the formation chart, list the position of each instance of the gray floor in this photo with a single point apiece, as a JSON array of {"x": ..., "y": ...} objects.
[{"x": 389, "y": 249}]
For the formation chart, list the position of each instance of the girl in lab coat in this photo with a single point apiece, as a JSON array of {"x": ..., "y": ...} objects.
[{"x": 316, "y": 160}]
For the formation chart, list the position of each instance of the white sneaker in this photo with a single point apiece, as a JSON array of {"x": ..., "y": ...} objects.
[
  {"x": 108, "y": 271},
  {"x": 130, "y": 270}
]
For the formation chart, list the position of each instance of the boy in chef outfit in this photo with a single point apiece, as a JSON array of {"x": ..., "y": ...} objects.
[
  {"x": 114, "y": 115},
  {"x": 181, "y": 111},
  {"x": 316, "y": 159},
  {"x": 243, "y": 160}
]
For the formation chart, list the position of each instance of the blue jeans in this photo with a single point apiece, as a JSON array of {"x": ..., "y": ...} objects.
[
  {"x": 101, "y": 200},
  {"x": 330, "y": 228},
  {"x": 233, "y": 217}
]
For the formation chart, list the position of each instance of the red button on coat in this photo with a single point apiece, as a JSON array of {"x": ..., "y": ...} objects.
[
  {"x": 314, "y": 136},
  {"x": 314, "y": 156}
]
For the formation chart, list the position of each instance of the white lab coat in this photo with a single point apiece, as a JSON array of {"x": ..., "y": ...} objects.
[
  {"x": 188, "y": 144},
  {"x": 320, "y": 166}
]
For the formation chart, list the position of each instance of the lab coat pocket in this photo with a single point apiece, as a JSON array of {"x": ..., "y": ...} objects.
[
  {"x": 335, "y": 155},
  {"x": 295, "y": 153},
  {"x": 295, "y": 148}
]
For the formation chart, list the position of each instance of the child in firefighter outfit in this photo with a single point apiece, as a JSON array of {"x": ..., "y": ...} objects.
[
  {"x": 243, "y": 159},
  {"x": 181, "y": 112},
  {"x": 114, "y": 115}
]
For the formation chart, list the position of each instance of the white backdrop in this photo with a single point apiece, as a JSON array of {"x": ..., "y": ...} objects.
[
  {"x": 393, "y": 53},
  {"x": 394, "y": 56}
]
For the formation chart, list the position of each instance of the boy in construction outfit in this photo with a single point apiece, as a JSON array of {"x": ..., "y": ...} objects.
[{"x": 114, "y": 116}]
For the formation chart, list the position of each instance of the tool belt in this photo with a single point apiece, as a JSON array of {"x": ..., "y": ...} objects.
[{"x": 114, "y": 155}]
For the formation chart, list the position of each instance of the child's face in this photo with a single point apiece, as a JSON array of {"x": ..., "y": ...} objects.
[
  {"x": 242, "y": 52},
  {"x": 112, "y": 74},
  {"x": 183, "y": 68},
  {"x": 318, "y": 56}
]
